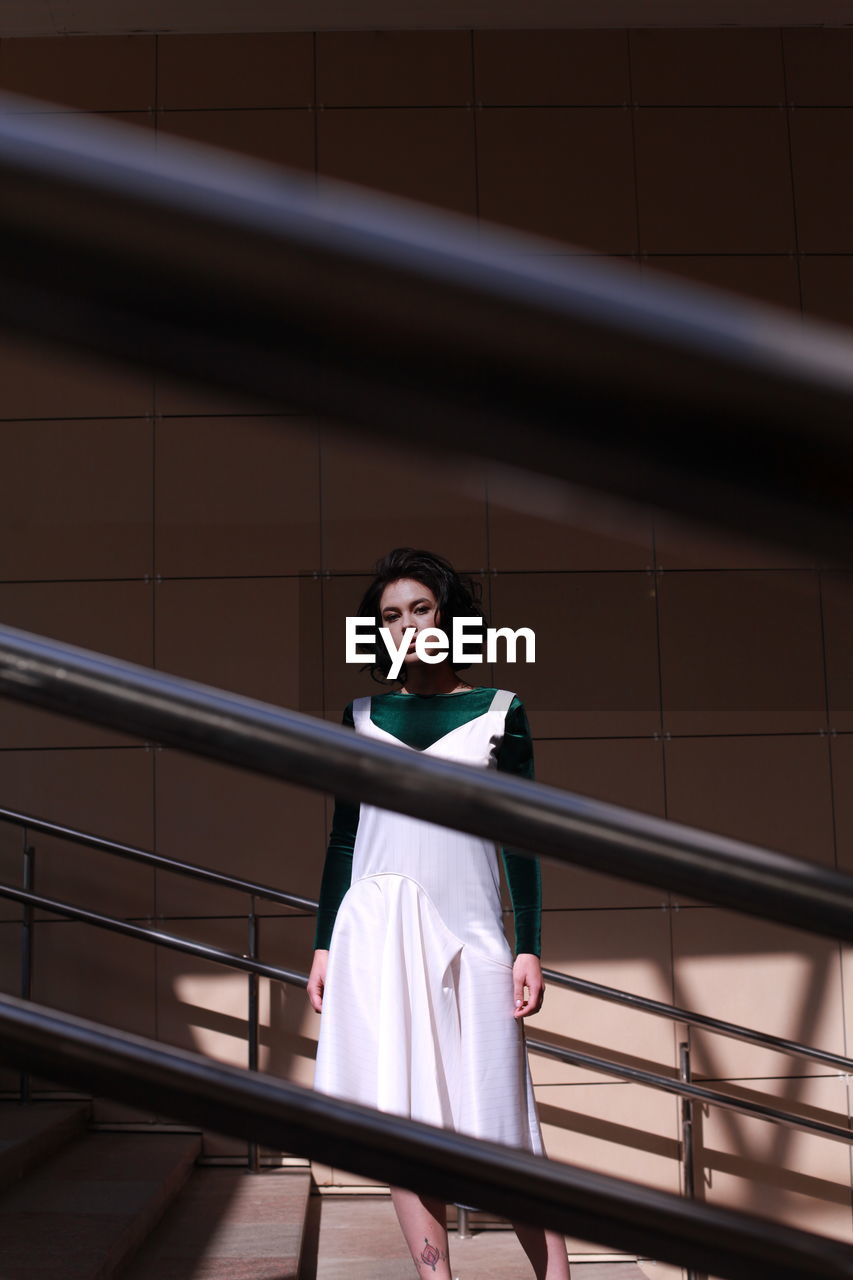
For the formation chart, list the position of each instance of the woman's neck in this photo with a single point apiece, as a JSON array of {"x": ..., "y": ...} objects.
[{"x": 424, "y": 678}]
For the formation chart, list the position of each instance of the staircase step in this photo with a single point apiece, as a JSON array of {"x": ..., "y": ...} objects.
[
  {"x": 229, "y": 1224},
  {"x": 30, "y": 1132},
  {"x": 87, "y": 1208},
  {"x": 360, "y": 1236}
]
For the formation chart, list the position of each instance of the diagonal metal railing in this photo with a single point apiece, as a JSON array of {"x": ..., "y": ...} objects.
[
  {"x": 425, "y": 327},
  {"x": 114, "y": 674},
  {"x": 254, "y": 967},
  {"x": 514, "y": 811},
  {"x": 514, "y": 1184},
  {"x": 31, "y": 824}
]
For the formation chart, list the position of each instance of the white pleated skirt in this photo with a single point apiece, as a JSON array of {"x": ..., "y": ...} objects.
[{"x": 418, "y": 1023}]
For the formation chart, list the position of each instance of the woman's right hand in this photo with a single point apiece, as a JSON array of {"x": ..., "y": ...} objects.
[{"x": 317, "y": 980}]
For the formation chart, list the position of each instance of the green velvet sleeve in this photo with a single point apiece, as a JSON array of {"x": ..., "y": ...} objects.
[
  {"x": 337, "y": 871},
  {"x": 515, "y": 755}
]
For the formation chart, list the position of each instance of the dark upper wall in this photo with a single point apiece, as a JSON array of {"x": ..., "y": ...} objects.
[{"x": 102, "y": 17}]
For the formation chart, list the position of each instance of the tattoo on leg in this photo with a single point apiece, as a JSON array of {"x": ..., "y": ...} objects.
[{"x": 430, "y": 1255}]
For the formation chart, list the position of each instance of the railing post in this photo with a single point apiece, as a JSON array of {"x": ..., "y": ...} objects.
[
  {"x": 252, "y": 954},
  {"x": 463, "y": 1226},
  {"x": 687, "y": 1152},
  {"x": 27, "y": 945}
]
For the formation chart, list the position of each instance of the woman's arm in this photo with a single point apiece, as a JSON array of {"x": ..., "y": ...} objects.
[
  {"x": 337, "y": 869},
  {"x": 337, "y": 877},
  {"x": 515, "y": 755}
]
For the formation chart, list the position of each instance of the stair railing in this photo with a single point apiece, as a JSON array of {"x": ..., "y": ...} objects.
[
  {"x": 408, "y": 320},
  {"x": 440, "y": 1162},
  {"x": 516, "y": 812},
  {"x": 250, "y": 962},
  {"x": 585, "y": 986}
]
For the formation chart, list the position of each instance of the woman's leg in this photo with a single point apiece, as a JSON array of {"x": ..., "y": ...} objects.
[
  {"x": 424, "y": 1224},
  {"x": 546, "y": 1251}
]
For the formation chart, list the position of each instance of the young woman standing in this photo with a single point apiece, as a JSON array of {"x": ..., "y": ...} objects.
[{"x": 421, "y": 998}]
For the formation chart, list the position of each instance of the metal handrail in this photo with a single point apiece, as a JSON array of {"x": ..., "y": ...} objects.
[
  {"x": 607, "y": 1066},
  {"x": 40, "y": 675},
  {"x": 376, "y": 311},
  {"x": 703, "y": 1021},
  {"x": 148, "y": 933},
  {"x": 516, "y": 812},
  {"x": 399, "y": 1151},
  {"x": 27, "y": 821},
  {"x": 686, "y": 1089},
  {"x": 585, "y": 986}
]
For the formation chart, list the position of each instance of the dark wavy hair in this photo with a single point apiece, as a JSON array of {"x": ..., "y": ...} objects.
[{"x": 457, "y": 596}]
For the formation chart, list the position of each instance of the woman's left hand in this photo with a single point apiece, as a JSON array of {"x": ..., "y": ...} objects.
[{"x": 527, "y": 972}]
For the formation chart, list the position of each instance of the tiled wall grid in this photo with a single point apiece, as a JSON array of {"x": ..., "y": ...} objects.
[{"x": 679, "y": 673}]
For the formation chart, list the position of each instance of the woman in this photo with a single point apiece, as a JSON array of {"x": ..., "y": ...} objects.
[{"x": 422, "y": 1000}]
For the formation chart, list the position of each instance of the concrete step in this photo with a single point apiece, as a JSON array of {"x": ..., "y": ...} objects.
[
  {"x": 30, "y": 1132},
  {"x": 359, "y": 1236},
  {"x": 88, "y": 1207},
  {"x": 229, "y": 1224}
]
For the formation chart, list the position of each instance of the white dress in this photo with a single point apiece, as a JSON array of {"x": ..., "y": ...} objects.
[{"x": 418, "y": 1003}]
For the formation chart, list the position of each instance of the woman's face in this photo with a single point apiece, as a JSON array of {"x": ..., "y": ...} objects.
[{"x": 407, "y": 603}]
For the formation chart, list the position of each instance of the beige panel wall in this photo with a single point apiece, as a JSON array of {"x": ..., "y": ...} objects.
[{"x": 681, "y": 673}]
